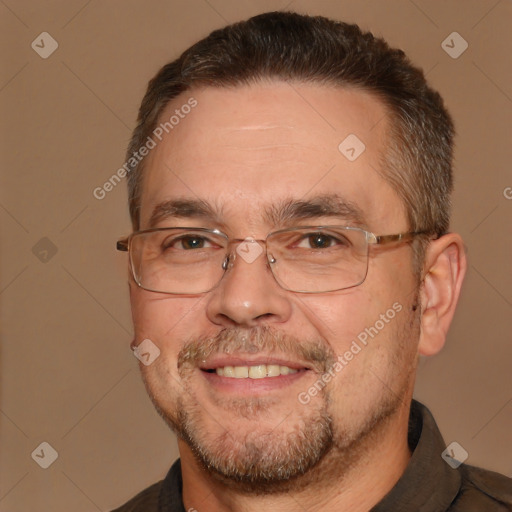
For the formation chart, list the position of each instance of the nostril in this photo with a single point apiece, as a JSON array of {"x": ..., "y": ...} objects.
[{"x": 264, "y": 316}]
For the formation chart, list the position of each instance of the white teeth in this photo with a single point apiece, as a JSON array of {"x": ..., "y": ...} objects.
[
  {"x": 229, "y": 371},
  {"x": 286, "y": 371},
  {"x": 273, "y": 370},
  {"x": 259, "y": 371},
  {"x": 241, "y": 372}
]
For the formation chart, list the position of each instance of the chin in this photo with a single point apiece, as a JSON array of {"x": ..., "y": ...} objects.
[{"x": 261, "y": 457}]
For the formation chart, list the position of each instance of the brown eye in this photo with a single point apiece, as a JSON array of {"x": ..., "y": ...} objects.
[
  {"x": 186, "y": 242},
  {"x": 192, "y": 242},
  {"x": 321, "y": 241}
]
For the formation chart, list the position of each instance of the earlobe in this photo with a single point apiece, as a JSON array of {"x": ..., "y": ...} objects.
[{"x": 445, "y": 267}]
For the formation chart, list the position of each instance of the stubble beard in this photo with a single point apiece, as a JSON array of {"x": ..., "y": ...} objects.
[{"x": 312, "y": 451}]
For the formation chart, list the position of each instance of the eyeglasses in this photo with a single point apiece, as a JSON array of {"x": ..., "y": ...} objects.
[{"x": 306, "y": 259}]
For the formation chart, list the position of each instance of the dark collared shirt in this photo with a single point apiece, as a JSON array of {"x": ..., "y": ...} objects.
[{"x": 428, "y": 484}]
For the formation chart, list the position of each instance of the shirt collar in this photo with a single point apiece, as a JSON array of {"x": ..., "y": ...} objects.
[{"x": 428, "y": 483}]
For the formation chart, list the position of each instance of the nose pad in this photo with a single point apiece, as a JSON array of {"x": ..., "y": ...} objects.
[{"x": 229, "y": 261}]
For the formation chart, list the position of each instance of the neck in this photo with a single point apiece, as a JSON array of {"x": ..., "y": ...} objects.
[{"x": 375, "y": 466}]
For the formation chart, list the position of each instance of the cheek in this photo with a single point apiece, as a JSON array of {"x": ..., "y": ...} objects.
[
  {"x": 168, "y": 322},
  {"x": 390, "y": 274},
  {"x": 164, "y": 318},
  {"x": 341, "y": 317}
]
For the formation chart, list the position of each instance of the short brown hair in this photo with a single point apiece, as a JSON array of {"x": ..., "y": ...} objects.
[{"x": 293, "y": 47}]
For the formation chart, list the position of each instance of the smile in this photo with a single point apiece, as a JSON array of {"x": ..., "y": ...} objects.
[{"x": 260, "y": 371}]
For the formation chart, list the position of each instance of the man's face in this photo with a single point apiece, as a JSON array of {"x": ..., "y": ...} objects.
[{"x": 248, "y": 152}]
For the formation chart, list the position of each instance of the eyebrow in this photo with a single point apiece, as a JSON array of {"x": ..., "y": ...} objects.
[
  {"x": 283, "y": 214},
  {"x": 327, "y": 205},
  {"x": 184, "y": 209}
]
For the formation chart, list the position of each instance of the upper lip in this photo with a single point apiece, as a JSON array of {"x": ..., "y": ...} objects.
[{"x": 229, "y": 360}]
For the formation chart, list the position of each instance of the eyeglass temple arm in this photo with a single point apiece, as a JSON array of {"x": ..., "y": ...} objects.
[
  {"x": 400, "y": 237},
  {"x": 122, "y": 245}
]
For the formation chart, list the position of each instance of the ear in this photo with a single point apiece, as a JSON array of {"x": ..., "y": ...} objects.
[{"x": 444, "y": 270}]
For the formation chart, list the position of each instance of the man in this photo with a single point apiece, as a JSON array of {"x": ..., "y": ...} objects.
[{"x": 289, "y": 183}]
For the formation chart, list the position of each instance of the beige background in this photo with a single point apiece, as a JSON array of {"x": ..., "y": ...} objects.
[{"x": 68, "y": 375}]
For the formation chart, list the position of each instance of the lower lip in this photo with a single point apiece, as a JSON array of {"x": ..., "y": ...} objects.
[{"x": 252, "y": 386}]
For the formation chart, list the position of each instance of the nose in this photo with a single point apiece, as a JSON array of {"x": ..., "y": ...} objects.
[{"x": 248, "y": 295}]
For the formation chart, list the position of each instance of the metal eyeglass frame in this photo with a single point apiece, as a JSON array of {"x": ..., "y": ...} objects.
[{"x": 123, "y": 245}]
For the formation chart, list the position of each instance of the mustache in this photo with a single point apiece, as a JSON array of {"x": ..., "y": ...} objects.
[{"x": 315, "y": 352}]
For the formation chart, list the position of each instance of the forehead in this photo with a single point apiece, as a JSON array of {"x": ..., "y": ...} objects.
[{"x": 246, "y": 149}]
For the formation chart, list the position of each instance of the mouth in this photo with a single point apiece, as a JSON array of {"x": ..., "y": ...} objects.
[
  {"x": 260, "y": 371},
  {"x": 238, "y": 375}
]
